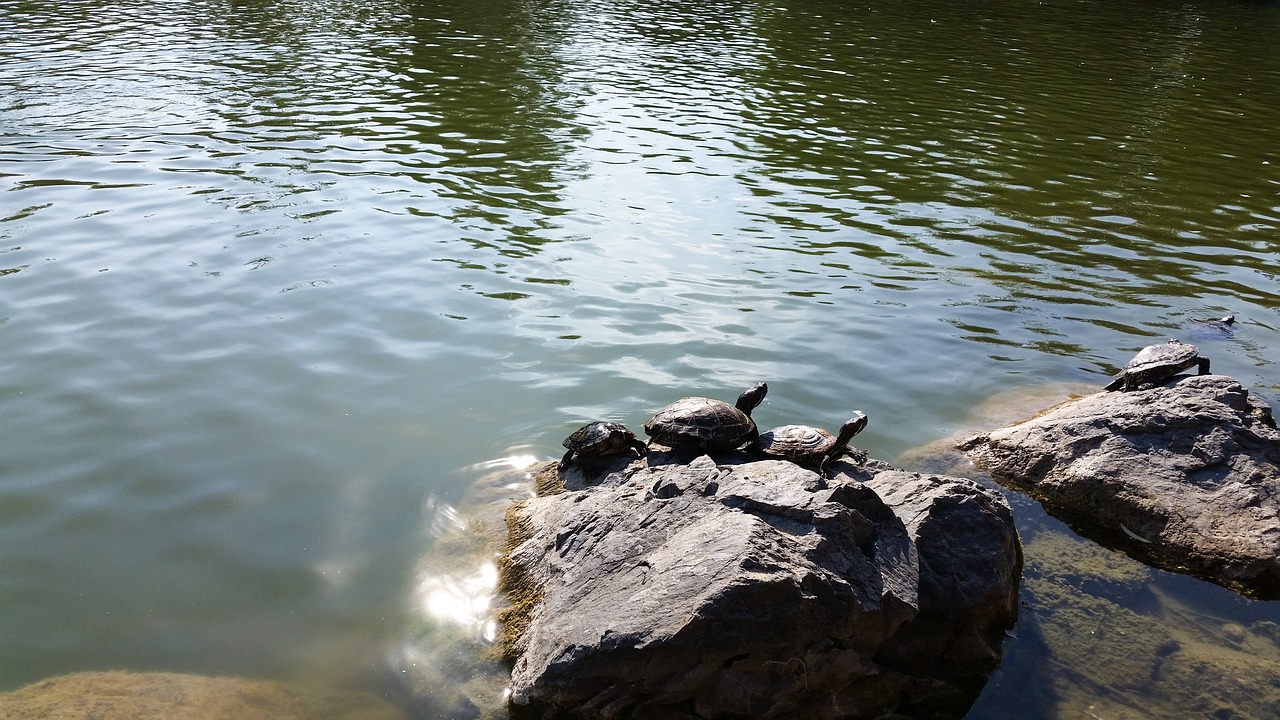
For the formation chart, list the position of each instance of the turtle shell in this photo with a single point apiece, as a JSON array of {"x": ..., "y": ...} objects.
[
  {"x": 798, "y": 443},
  {"x": 1174, "y": 355},
  {"x": 600, "y": 438},
  {"x": 703, "y": 420},
  {"x": 807, "y": 445},
  {"x": 706, "y": 422},
  {"x": 1157, "y": 362}
]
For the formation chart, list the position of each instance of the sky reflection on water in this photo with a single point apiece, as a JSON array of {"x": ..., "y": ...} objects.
[{"x": 273, "y": 275}]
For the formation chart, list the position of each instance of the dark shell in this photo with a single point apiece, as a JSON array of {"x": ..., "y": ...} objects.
[
  {"x": 1157, "y": 362},
  {"x": 1219, "y": 328},
  {"x": 601, "y": 438},
  {"x": 707, "y": 422}
]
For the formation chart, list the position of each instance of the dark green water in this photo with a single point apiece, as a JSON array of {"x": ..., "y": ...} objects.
[{"x": 279, "y": 280}]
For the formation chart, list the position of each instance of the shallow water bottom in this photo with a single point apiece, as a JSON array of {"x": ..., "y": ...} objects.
[{"x": 1102, "y": 635}]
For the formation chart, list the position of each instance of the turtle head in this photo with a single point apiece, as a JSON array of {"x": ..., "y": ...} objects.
[
  {"x": 1228, "y": 320},
  {"x": 851, "y": 427},
  {"x": 752, "y": 397}
]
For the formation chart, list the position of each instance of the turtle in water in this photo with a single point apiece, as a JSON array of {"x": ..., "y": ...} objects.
[
  {"x": 1155, "y": 363},
  {"x": 599, "y": 439},
  {"x": 707, "y": 423},
  {"x": 1211, "y": 328},
  {"x": 805, "y": 445}
]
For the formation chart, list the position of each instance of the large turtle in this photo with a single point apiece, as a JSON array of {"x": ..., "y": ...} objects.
[
  {"x": 598, "y": 439},
  {"x": 707, "y": 423},
  {"x": 810, "y": 446},
  {"x": 1155, "y": 363}
]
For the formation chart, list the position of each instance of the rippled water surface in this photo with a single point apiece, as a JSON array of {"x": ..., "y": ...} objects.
[{"x": 279, "y": 280}]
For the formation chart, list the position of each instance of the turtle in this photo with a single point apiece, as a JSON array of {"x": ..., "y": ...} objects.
[
  {"x": 805, "y": 445},
  {"x": 598, "y": 439},
  {"x": 1211, "y": 328},
  {"x": 1155, "y": 363},
  {"x": 1225, "y": 321},
  {"x": 708, "y": 423}
]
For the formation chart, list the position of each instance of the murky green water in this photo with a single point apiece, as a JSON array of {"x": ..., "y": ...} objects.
[{"x": 278, "y": 280}]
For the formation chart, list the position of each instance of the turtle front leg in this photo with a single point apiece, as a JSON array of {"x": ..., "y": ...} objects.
[
  {"x": 824, "y": 468},
  {"x": 1204, "y": 365},
  {"x": 564, "y": 462}
]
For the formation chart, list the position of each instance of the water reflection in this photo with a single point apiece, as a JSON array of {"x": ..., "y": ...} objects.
[
  {"x": 445, "y": 656},
  {"x": 276, "y": 271}
]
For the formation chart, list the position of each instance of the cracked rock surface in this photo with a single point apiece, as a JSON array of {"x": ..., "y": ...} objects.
[{"x": 744, "y": 588}]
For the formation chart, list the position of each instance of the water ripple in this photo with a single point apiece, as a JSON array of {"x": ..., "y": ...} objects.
[{"x": 274, "y": 272}]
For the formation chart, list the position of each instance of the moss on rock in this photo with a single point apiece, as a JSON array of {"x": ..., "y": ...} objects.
[{"x": 522, "y": 594}]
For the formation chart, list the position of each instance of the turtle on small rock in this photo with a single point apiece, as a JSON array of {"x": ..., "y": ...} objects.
[
  {"x": 810, "y": 446},
  {"x": 706, "y": 423},
  {"x": 1155, "y": 363},
  {"x": 599, "y": 439}
]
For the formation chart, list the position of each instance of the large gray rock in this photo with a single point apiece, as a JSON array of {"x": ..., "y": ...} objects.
[
  {"x": 1183, "y": 476},
  {"x": 970, "y": 567},
  {"x": 754, "y": 589}
]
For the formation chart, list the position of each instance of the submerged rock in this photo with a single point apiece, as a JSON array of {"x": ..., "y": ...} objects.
[
  {"x": 756, "y": 590},
  {"x": 1185, "y": 476},
  {"x": 1092, "y": 648},
  {"x": 163, "y": 696}
]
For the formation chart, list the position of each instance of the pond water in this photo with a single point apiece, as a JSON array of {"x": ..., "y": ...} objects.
[{"x": 279, "y": 280}]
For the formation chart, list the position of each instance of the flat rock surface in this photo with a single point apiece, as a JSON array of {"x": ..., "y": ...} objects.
[
  {"x": 1183, "y": 476},
  {"x": 755, "y": 589}
]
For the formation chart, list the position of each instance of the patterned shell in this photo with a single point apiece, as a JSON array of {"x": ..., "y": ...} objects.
[
  {"x": 713, "y": 422},
  {"x": 600, "y": 438},
  {"x": 1172, "y": 355},
  {"x": 796, "y": 442}
]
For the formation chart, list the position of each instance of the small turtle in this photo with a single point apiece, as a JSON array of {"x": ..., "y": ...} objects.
[
  {"x": 1211, "y": 328},
  {"x": 806, "y": 445},
  {"x": 598, "y": 439},
  {"x": 707, "y": 423},
  {"x": 1155, "y": 363},
  {"x": 1225, "y": 320}
]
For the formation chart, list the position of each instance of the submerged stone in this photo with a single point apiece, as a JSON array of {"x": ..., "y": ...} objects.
[
  {"x": 1094, "y": 650},
  {"x": 164, "y": 696}
]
